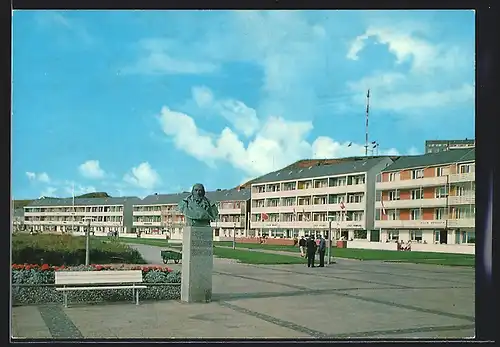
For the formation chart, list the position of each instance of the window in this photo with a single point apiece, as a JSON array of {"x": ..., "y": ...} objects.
[
  {"x": 440, "y": 171},
  {"x": 416, "y": 174},
  {"x": 415, "y": 214},
  {"x": 360, "y": 234},
  {"x": 393, "y": 235},
  {"x": 393, "y": 215},
  {"x": 439, "y": 213},
  {"x": 394, "y": 195},
  {"x": 416, "y": 194},
  {"x": 378, "y": 214},
  {"x": 393, "y": 176},
  {"x": 378, "y": 195},
  {"x": 355, "y": 198},
  {"x": 467, "y": 168},
  {"x": 441, "y": 192},
  {"x": 416, "y": 235}
]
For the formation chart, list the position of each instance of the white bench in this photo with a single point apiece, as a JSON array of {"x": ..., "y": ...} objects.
[{"x": 99, "y": 280}]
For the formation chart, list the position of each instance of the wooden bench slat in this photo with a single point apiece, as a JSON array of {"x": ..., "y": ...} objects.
[
  {"x": 97, "y": 277},
  {"x": 100, "y": 288}
]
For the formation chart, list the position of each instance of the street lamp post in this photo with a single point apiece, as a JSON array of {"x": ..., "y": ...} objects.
[
  {"x": 234, "y": 236},
  {"x": 329, "y": 240},
  {"x": 87, "y": 241}
]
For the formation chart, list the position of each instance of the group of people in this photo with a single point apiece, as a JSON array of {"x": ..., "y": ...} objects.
[{"x": 309, "y": 247}]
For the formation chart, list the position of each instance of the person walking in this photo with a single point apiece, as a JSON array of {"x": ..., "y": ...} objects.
[
  {"x": 302, "y": 246},
  {"x": 321, "y": 251},
  {"x": 311, "y": 251}
]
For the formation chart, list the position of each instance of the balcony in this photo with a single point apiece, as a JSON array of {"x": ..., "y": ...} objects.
[
  {"x": 353, "y": 188},
  {"x": 148, "y": 224},
  {"x": 227, "y": 225},
  {"x": 462, "y": 200},
  {"x": 66, "y": 214},
  {"x": 462, "y": 223},
  {"x": 308, "y": 225},
  {"x": 411, "y": 224},
  {"x": 233, "y": 211},
  {"x": 310, "y": 208},
  {"x": 146, "y": 213},
  {"x": 463, "y": 177},
  {"x": 420, "y": 182},
  {"x": 409, "y": 203}
]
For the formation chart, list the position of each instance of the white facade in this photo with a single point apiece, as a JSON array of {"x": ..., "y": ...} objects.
[
  {"x": 296, "y": 207},
  {"x": 61, "y": 217}
]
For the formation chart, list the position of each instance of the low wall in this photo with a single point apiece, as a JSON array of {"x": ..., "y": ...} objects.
[
  {"x": 128, "y": 235},
  {"x": 153, "y": 236},
  {"x": 387, "y": 246},
  {"x": 415, "y": 247}
]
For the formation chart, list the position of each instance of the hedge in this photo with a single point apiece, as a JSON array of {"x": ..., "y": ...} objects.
[
  {"x": 70, "y": 250},
  {"x": 34, "y": 284}
]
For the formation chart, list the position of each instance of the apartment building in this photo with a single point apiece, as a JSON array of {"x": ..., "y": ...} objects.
[
  {"x": 18, "y": 219},
  {"x": 435, "y": 146},
  {"x": 302, "y": 201},
  {"x": 158, "y": 213},
  {"x": 427, "y": 198},
  {"x": 64, "y": 215}
]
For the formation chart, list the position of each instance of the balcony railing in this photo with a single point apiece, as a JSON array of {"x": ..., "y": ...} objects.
[
  {"x": 420, "y": 182},
  {"x": 353, "y": 188},
  {"x": 463, "y": 177},
  {"x": 462, "y": 200},
  {"x": 409, "y": 203},
  {"x": 411, "y": 224},
  {"x": 309, "y": 225}
]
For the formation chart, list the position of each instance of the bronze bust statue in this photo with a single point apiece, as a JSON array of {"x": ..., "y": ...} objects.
[{"x": 198, "y": 210}]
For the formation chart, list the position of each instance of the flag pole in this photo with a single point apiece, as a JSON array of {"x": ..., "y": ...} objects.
[{"x": 74, "y": 212}]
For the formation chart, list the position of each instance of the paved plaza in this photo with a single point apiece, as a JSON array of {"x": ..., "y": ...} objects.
[{"x": 348, "y": 299}]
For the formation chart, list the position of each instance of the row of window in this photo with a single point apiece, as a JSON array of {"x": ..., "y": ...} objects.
[
  {"x": 440, "y": 213},
  {"x": 76, "y": 209},
  {"x": 310, "y": 200},
  {"x": 308, "y": 216},
  {"x": 439, "y": 171},
  {"x": 417, "y": 236},
  {"x": 439, "y": 192},
  {"x": 113, "y": 219},
  {"x": 173, "y": 208},
  {"x": 309, "y": 184}
]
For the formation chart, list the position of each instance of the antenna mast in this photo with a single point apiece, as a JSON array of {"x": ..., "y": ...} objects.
[{"x": 366, "y": 129}]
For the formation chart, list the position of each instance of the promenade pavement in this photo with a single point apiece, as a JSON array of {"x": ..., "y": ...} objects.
[{"x": 348, "y": 299}]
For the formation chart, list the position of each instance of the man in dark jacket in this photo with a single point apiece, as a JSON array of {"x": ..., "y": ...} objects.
[
  {"x": 311, "y": 251},
  {"x": 302, "y": 246},
  {"x": 321, "y": 251}
]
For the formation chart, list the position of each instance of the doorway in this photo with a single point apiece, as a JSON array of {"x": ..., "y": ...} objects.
[{"x": 443, "y": 236}]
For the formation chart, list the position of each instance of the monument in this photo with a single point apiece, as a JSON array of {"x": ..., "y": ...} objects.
[{"x": 197, "y": 246}]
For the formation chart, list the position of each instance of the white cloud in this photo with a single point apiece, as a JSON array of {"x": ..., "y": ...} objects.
[
  {"x": 276, "y": 143},
  {"x": 91, "y": 169},
  {"x": 407, "y": 47},
  {"x": 49, "y": 192},
  {"x": 243, "y": 118},
  {"x": 41, "y": 177},
  {"x": 143, "y": 176},
  {"x": 158, "y": 58},
  {"x": 78, "y": 188}
]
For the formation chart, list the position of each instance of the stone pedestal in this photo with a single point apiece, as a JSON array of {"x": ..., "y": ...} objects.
[{"x": 197, "y": 264}]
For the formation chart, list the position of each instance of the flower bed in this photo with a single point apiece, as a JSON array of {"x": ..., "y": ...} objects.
[
  {"x": 70, "y": 250},
  {"x": 34, "y": 284}
]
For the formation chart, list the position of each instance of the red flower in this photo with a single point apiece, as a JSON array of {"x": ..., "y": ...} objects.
[
  {"x": 45, "y": 267},
  {"x": 98, "y": 267}
]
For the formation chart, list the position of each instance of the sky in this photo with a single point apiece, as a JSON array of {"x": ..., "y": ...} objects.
[{"x": 142, "y": 102}]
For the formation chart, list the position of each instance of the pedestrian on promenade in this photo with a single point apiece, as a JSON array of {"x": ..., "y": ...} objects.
[
  {"x": 302, "y": 246},
  {"x": 321, "y": 251},
  {"x": 311, "y": 251}
]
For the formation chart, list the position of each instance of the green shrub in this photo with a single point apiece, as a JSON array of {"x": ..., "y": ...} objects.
[
  {"x": 69, "y": 250},
  {"x": 43, "y": 291}
]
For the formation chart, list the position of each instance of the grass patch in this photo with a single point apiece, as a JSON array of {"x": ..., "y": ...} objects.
[
  {"x": 445, "y": 262},
  {"x": 251, "y": 257},
  {"x": 149, "y": 242}
]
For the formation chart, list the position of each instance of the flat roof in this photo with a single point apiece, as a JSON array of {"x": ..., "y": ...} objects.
[
  {"x": 220, "y": 195},
  {"x": 341, "y": 168},
  {"x": 83, "y": 201},
  {"x": 432, "y": 159}
]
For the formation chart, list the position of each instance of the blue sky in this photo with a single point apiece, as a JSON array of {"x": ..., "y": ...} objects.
[{"x": 137, "y": 102}]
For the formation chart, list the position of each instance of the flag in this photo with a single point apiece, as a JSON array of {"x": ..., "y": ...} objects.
[
  {"x": 383, "y": 207},
  {"x": 342, "y": 205},
  {"x": 264, "y": 216}
]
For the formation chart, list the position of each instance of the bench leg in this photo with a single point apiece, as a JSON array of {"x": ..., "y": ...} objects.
[
  {"x": 65, "y": 299},
  {"x": 133, "y": 294},
  {"x": 137, "y": 296}
]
